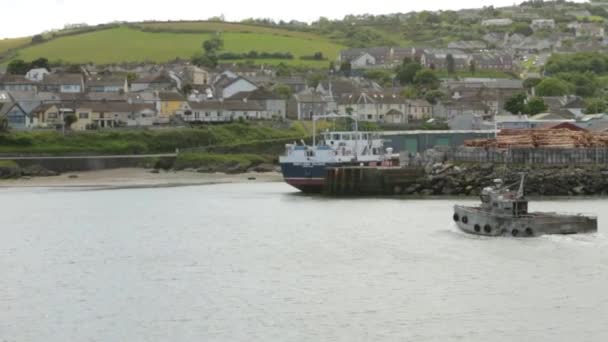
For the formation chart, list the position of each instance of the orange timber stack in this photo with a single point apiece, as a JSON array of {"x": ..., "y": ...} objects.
[{"x": 542, "y": 138}]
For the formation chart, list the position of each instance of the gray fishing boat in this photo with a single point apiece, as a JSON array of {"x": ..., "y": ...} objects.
[{"x": 505, "y": 212}]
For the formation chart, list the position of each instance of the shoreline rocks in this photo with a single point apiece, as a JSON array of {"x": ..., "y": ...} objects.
[{"x": 468, "y": 179}]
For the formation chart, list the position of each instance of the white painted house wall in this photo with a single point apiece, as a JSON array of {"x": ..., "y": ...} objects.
[
  {"x": 36, "y": 75},
  {"x": 365, "y": 60},
  {"x": 241, "y": 85}
]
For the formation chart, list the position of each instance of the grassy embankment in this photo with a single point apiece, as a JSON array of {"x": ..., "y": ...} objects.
[
  {"x": 143, "y": 141},
  {"x": 238, "y": 143},
  {"x": 178, "y": 40}
]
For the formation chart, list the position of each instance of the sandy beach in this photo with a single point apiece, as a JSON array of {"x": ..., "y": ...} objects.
[{"x": 138, "y": 178}]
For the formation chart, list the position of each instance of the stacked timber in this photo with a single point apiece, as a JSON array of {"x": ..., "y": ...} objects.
[{"x": 543, "y": 138}]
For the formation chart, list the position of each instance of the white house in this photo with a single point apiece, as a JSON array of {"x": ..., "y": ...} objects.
[
  {"x": 363, "y": 61},
  {"x": 223, "y": 111},
  {"x": 497, "y": 22},
  {"x": 36, "y": 75},
  {"x": 540, "y": 24},
  {"x": 226, "y": 87}
]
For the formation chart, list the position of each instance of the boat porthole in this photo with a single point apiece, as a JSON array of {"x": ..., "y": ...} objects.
[
  {"x": 515, "y": 232},
  {"x": 477, "y": 228},
  {"x": 465, "y": 219},
  {"x": 529, "y": 232},
  {"x": 487, "y": 228},
  {"x": 456, "y": 217}
]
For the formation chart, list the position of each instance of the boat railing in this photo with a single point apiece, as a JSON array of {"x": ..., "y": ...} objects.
[{"x": 566, "y": 213}]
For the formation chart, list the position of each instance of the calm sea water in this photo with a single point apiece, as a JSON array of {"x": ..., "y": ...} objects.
[{"x": 259, "y": 262}]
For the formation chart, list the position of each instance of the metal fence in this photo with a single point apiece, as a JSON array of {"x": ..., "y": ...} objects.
[{"x": 550, "y": 156}]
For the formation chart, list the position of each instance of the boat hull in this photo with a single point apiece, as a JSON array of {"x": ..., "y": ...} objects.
[
  {"x": 472, "y": 220},
  {"x": 306, "y": 177}
]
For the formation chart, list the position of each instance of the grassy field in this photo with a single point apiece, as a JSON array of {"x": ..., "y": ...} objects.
[
  {"x": 131, "y": 45},
  {"x": 12, "y": 43},
  {"x": 142, "y": 141}
]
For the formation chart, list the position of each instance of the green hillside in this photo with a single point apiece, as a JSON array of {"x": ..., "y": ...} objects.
[
  {"x": 12, "y": 43},
  {"x": 129, "y": 44}
]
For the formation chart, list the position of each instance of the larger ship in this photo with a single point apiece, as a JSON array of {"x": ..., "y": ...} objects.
[{"x": 303, "y": 166}]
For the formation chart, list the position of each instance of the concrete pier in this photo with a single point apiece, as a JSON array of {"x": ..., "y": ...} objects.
[{"x": 369, "y": 181}]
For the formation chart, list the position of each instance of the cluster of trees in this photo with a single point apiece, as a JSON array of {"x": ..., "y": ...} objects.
[
  {"x": 579, "y": 62},
  {"x": 208, "y": 58},
  {"x": 577, "y": 74},
  {"x": 21, "y": 67},
  {"x": 520, "y": 104},
  {"x": 255, "y": 55},
  {"x": 419, "y": 82}
]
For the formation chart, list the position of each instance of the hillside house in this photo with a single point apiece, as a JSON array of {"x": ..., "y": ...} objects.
[
  {"x": 497, "y": 22},
  {"x": 310, "y": 103},
  {"x": 533, "y": 45},
  {"x": 467, "y": 45},
  {"x": 492, "y": 61},
  {"x": 197, "y": 76},
  {"x": 17, "y": 83},
  {"x": 223, "y": 111},
  {"x": 361, "y": 58},
  {"x": 384, "y": 108},
  {"x": 295, "y": 83},
  {"x": 157, "y": 82},
  {"x": 398, "y": 54},
  {"x": 568, "y": 106},
  {"x": 491, "y": 92},
  {"x": 437, "y": 59},
  {"x": 107, "y": 84},
  {"x": 63, "y": 83},
  {"x": 275, "y": 105},
  {"x": 542, "y": 24}
]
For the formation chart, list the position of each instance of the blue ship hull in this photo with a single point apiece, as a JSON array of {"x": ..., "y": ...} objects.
[{"x": 307, "y": 177}]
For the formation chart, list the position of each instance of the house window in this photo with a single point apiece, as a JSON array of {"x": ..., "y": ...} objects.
[
  {"x": 207, "y": 113},
  {"x": 83, "y": 115},
  {"x": 16, "y": 118},
  {"x": 52, "y": 115}
]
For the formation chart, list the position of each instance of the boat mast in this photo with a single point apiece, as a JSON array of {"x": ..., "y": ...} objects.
[{"x": 520, "y": 191}]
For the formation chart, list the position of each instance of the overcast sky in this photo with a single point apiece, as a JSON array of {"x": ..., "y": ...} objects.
[{"x": 28, "y": 17}]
